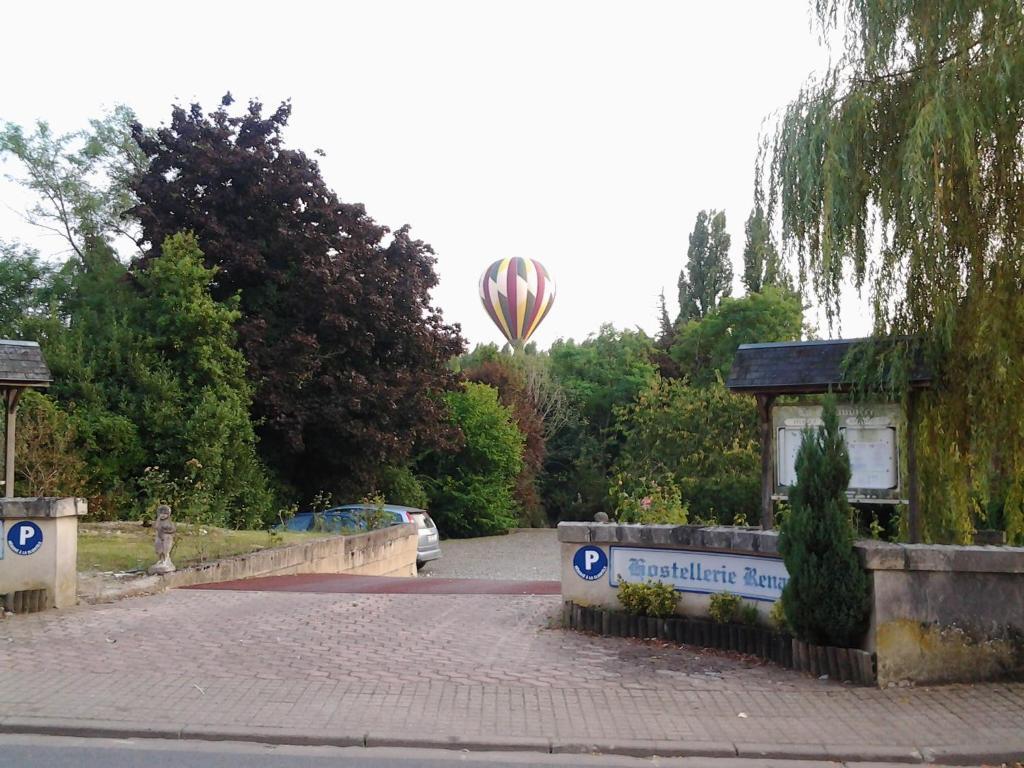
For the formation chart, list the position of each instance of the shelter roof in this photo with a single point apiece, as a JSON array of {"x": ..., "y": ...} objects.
[
  {"x": 800, "y": 368},
  {"x": 22, "y": 365}
]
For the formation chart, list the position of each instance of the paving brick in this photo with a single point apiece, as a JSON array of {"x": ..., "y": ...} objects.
[{"x": 463, "y": 671}]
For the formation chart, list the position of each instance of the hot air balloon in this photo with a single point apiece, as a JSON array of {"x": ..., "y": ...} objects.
[{"x": 517, "y": 293}]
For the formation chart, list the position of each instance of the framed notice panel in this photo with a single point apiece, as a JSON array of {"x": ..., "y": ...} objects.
[{"x": 872, "y": 434}]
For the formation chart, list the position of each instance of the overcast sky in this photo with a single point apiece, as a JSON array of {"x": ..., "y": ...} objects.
[{"x": 584, "y": 134}]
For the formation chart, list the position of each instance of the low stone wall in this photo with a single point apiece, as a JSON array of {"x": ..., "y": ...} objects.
[
  {"x": 938, "y": 613},
  {"x": 738, "y": 549},
  {"x": 386, "y": 552},
  {"x": 944, "y": 614}
]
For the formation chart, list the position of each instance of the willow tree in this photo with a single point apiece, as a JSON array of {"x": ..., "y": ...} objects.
[{"x": 902, "y": 168}]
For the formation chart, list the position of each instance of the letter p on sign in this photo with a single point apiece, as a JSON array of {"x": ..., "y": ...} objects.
[
  {"x": 24, "y": 537},
  {"x": 590, "y": 563}
]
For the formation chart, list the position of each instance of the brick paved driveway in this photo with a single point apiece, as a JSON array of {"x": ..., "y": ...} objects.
[{"x": 476, "y": 666}]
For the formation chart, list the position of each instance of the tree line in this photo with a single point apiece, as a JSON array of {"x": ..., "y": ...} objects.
[
  {"x": 225, "y": 330},
  {"x": 229, "y": 336}
]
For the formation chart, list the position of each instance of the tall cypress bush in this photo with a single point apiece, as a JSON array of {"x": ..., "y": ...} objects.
[{"x": 825, "y": 599}]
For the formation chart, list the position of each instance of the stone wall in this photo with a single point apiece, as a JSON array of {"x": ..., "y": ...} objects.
[
  {"x": 938, "y": 613},
  {"x": 602, "y": 592},
  {"x": 945, "y": 613},
  {"x": 386, "y": 552}
]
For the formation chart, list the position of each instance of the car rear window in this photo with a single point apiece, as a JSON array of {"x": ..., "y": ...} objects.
[{"x": 423, "y": 521}]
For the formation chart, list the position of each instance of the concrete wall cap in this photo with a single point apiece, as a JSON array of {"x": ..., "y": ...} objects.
[
  {"x": 574, "y": 533},
  {"x": 884, "y": 556},
  {"x": 43, "y": 506},
  {"x": 715, "y": 537}
]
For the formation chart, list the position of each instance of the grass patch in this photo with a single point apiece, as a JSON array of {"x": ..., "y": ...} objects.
[{"x": 128, "y": 546}]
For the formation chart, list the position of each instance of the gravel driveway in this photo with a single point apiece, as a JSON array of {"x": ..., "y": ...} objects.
[{"x": 530, "y": 554}]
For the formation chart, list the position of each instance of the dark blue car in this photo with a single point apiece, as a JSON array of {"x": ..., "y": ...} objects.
[{"x": 352, "y": 518}]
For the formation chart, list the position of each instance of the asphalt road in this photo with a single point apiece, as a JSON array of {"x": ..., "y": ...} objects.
[
  {"x": 62, "y": 752},
  {"x": 523, "y": 555}
]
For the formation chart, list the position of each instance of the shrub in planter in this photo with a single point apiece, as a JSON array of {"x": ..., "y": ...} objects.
[
  {"x": 724, "y": 607},
  {"x": 749, "y": 615},
  {"x": 777, "y": 617},
  {"x": 825, "y": 600},
  {"x": 652, "y": 598}
]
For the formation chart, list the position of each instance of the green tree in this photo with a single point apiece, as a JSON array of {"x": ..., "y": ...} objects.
[
  {"x": 597, "y": 375},
  {"x": 704, "y": 349},
  {"x": 80, "y": 179},
  {"x": 348, "y": 355},
  {"x": 200, "y": 419},
  {"x": 507, "y": 378},
  {"x": 49, "y": 461},
  {"x": 23, "y": 280},
  {"x": 901, "y": 168},
  {"x": 708, "y": 274},
  {"x": 762, "y": 265},
  {"x": 825, "y": 599},
  {"x": 472, "y": 491},
  {"x": 699, "y": 440}
]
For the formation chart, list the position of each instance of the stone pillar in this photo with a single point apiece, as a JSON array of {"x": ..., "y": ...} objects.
[{"x": 39, "y": 560}]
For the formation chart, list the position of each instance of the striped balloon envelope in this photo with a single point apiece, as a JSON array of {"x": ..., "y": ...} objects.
[{"x": 517, "y": 294}]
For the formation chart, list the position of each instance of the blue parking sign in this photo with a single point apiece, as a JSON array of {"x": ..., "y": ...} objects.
[
  {"x": 24, "y": 537},
  {"x": 590, "y": 563}
]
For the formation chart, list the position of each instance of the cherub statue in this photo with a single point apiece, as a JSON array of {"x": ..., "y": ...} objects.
[{"x": 165, "y": 529}]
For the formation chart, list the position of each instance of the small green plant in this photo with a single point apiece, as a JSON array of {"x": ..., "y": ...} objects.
[
  {"x": 373, "y": 513},
  {"x": 777, "y": 616},
  {"x": 321, "y": 501},
  {"x": 653, "y": 598},
  {"x": 740, "y": 520},
  {"x": 749, "y": 615},
  {"x": 724, "y": 607},
  {"x": 875, "y": 527},
  {"x": 648, "y": 501}
]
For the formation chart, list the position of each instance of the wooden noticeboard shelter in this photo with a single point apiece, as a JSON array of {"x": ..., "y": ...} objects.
[
  {"x": 811, "y": 368},
  {"x": 21, "y": 367}
]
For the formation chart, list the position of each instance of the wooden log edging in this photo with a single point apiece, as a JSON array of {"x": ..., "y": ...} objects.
[{"x": 849, "y": 665}]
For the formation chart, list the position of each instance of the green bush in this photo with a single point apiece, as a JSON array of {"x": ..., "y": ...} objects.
[
  {"x": 749, "y": 615},
  {"x": 401, "y": 486},
  {"x": 777, "y": 617},
  {"x": 703, "y": 439},
  {"x": 825, "y": 598},
  {"x": 653, "y": 598},
  {"x": 647, "y": 501},
  {"x": 472, "y": 491},
  {"x": 724, "y": 607}
]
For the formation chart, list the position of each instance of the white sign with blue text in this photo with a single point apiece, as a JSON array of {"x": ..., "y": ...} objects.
[{"x": 757, "y": 578}]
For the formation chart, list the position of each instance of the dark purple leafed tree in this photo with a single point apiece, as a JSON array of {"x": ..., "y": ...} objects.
[{"x": 345, "y": 350}]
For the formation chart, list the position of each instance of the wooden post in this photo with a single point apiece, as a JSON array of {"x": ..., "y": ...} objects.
[
  {"x": 764, "y": 411},
  {"x": 11, "y": 406},
  {"x": 913, "y": 512}
]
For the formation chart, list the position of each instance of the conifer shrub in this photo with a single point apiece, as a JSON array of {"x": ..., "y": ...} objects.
[{"x": 825, "y": 600}]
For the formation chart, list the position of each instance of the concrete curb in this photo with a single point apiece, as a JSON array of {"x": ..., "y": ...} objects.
[{"x": 798, "y": 753}]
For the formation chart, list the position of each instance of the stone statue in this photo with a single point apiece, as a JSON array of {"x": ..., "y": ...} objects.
[
  {"x": 165, "y": 529},
  {"x": 601, "y": 517}
]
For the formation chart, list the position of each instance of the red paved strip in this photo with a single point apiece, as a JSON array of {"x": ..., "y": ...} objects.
[{"x": 385, "y": 585}]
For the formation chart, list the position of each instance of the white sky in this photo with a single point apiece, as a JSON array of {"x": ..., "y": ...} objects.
[{"x": 583, "y": 134}]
